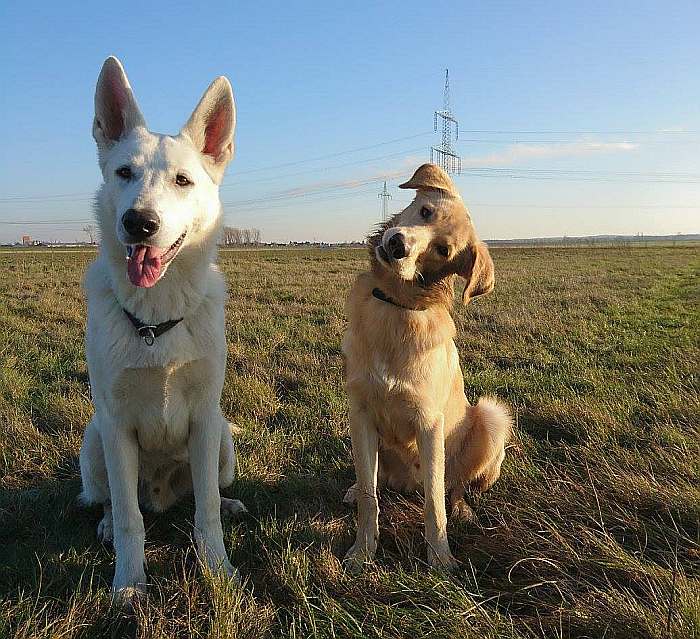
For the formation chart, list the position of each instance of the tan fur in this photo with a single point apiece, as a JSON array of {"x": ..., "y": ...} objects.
[
  {"x": 430, "y": 176},
  {"x": 410, "y": 421}
]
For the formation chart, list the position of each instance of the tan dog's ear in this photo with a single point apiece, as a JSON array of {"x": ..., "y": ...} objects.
[
  {"x": 477, "y": 269},
  {"x": 430, "y": 176}
]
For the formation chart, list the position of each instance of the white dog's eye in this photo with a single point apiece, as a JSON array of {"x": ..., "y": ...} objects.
[
  {"x": 182, "y": 180},
  {"x": 425, "y": 213},
  {"x": 124, "y": 172}
]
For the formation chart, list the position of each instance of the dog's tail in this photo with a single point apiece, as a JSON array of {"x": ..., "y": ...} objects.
[{"x": 477, "y": 461}]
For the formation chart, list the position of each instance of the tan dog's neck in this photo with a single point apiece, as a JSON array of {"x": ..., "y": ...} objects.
[{"x": 411, "y": 295}]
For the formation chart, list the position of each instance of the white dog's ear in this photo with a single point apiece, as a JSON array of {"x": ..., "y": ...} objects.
[
  {"x": 211, "y": 126},
  {"x": 116, "y": 110}
]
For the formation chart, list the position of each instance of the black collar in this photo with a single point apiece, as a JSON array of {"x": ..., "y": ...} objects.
[
  {"x": 149, "y": 332},
  {"x": 381, "y": 295}
]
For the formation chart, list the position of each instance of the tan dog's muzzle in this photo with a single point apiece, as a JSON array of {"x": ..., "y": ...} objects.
[
  {"x": 401, "y": 246},
  {"x": 395, "y": 244}
]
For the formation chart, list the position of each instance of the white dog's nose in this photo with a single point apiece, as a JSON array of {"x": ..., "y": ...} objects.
[{"x": 140, "y": 224}]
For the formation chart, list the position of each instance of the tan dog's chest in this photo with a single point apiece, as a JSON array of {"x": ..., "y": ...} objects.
[{"x": 401, "y": 392}]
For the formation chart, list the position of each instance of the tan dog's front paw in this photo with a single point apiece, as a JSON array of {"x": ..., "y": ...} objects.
[
  {"x": 463, "y": 512},
  {"x": 443, "y": 560}
]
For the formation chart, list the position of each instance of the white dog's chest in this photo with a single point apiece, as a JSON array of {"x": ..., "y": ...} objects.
[{"x": 154, "y": 401}]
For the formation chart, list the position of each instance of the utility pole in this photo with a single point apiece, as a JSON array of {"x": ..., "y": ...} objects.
[
  {"x": 444, "y": 155},
  {"x": 385, "y": 196},
  {"x": 89, "y": 230}
]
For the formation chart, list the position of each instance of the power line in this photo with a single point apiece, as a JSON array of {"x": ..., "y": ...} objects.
[
  {"x": 328, "y": 168},
  {"x": 41, "y": 222},
  {"x": 76, "y": 196},
  {"x": 578, "y": 132},
  {"x": 669, "y": 174},
  {"x": 585, "y": 206},
  {"x": 333, "y": 155},
  {"x": 491, "y": 172}
]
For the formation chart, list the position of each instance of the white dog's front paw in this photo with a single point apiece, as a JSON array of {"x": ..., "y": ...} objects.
[
  {"x": 232, "y": 507},
  {"x": 127, "y": 590},
  {"x": 129, "y": 596},
  {"x": 212, "y": 555},
  {"x": 105, "y": 529},
  {"x": 350, "y": 498},
  {"x": 222, "y": 568},
  {"x": 226, "y": 568}
]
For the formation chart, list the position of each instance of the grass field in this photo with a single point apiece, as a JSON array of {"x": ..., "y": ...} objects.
[{"x": 591, "y": 532}]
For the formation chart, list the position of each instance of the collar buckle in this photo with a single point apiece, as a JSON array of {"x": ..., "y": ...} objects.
[{"x": 147, "y": 334}]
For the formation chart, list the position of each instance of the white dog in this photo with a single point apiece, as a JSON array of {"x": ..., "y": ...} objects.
[{"x": 155, "y": 342}]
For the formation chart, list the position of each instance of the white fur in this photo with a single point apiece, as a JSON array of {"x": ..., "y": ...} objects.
[{"x": 158, "y": 431}]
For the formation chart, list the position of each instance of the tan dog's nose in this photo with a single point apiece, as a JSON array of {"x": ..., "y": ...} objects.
[{"x": 396, "y": 246}]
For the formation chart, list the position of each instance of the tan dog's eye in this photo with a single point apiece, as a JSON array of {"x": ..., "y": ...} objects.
[
  {"x": 182, "y": 180},
  {"x": 425, "y": 213},
  {"x": 443, "y": 250},
  {"x": 124, "y": 172}
]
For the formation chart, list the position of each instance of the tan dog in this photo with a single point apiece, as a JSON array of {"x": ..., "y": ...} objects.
[{"x": 410, "y": 421}]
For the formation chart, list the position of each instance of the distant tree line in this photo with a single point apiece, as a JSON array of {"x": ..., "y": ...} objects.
[{"x": 240, "y": 237}]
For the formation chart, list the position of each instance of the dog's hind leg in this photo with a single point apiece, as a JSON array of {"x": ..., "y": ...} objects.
[
  {"x": 476, "y": 451},
  {"x": 105, "y": 529},
  {"x": 397, "y": 472},
  {"x": 175, "y": 481},
  {"x": 350, "y": 498},
  {"x": 227, "y": 471},
  {"x": 93, "y": 473},
  {"x": 227, "y": 456}
]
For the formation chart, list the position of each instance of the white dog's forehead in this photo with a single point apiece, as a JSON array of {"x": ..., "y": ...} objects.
[{"x": 156, "y": 152}]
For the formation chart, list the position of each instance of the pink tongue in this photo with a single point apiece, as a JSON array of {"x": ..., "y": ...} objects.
[{"x": 143, "y": 266}]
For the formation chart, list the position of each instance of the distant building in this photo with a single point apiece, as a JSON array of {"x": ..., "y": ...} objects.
[{"x": 26, "y": 240}]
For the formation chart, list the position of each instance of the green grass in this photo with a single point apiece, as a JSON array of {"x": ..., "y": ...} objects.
[{"x": 592, "y": 530}]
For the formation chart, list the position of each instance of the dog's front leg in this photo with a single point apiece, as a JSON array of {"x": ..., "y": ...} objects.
[
  {"x": 431, "y": 449},
  {"x": 121, "y": 453},
  {"x": 203, "y": 445},
  {"x": 365, "y": 448}
]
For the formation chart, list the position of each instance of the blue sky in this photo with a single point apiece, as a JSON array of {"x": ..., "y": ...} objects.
[{"x": 576, "y": 118}]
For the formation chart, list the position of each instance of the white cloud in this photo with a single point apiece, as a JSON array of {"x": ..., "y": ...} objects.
[{"x": 523, "y": 152}]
